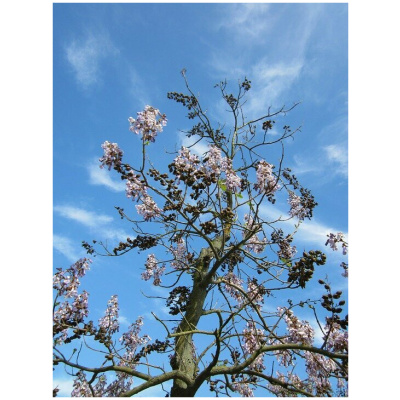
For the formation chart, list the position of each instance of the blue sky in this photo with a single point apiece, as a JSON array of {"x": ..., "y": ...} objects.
[
  {"x": 27, "y": 121},
  {"x": 110, "y": 60}
]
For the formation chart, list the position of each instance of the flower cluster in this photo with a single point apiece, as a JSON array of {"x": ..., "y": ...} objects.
[
  {"x": 253, "y": 339},
  {"x": 243, "y": 389},
  {"x": 213, "y": 161},
  {"x": 333, "y": 240},
  {"x": 109, "y": 323},
  {"x": 148, "y": 123},
  {"x": 153, "y": 270},
  {"x": 254, "y": 243},
  {"x": 319, "y": 369},
  {"x": 131, "y": 340},
  {"x": 180, "y": 254},
  {"x": 134, "y": 186},
  {"x": 148, "y": 209},
  {"x": 296, "y": 206},
  {"x": 301, "y": 206},
  {"x": 189, "y": 168},
  {"x": 266, "y": 181},
  {"x": 185, "y": 162},
  {"x": 299, "y": 331},
  {"x": 231, "y": 279},
  {"x": 112, "y": 155},
  {"x": 75, "y": 308},
  {"x": 255, "y": 291},
  {"x": 233, "y": 182},
  {"x": 81, "y": 386},
  {"x": 337, "y": 341}
]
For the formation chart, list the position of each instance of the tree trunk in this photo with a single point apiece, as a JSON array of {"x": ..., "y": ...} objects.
[{"x": 184, "y": 358}]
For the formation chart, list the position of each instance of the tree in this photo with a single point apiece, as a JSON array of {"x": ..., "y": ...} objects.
[{"x": 224, "y": 258}]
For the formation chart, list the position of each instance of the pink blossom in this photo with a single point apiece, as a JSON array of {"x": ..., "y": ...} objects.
[
  {"x": 243, "y": 389},
  {"x": 334, "y": 239},
  {"x": 148, "y": 123},
  {"x": 185, "y": 162},
  {"x": 337, "y": 341},
  {"x": 131, "y": 340},
  {"x": 149, "y": 209},
  {"x": 231, "y": 279},
  {"x": 255, "y": 291},
  {"x": 266, "y": 181},
  {"x": 66, "y": 282},
  {"x": 254, "y": 243},
  {"x": 180, "y": 254},
  {"x": 81, "y": 386},
  {"x": 109, "y": 322},
  {"x": 319, "y": 369},
  {"x": 253, "y": 339},
  {"x": 213, "y": 160},
  {"x": 134, "y": 187},
  {"x": 297, "y": 209},
  {"x": 233, "y": 182},
  {"x": 112, "y": 155},
  {"x": 153, "y": 270},
  {"x": 299, "y": 331}
]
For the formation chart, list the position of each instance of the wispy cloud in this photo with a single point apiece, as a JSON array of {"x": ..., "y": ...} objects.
[
  {"x": 332, "y": 155},
  {"x": 138, "y": 89},
  {"x": 65, "y": 385},
  {"x": 102, "y": 225},
  {"x": 313, "y": 231},
  {"x": 66, "y": 247},
  {"x": 199, "y": 148},
  {"x": 85, "y": 56},
  {"x": 84, "y": 217},
  {"x": 270, "y": 83},
  {"x": 101, "y": 176},
  {"x": 245, "y": 20},
  {"x": 337, "y": 154}
]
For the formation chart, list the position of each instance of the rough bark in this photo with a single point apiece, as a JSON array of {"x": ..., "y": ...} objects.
[{"x": 184, "y": 359}]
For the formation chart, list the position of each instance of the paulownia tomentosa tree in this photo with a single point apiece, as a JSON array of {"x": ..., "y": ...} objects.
[{"x": 225, "y": 257}]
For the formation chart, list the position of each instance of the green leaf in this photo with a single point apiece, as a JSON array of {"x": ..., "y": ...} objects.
[
  {"x": 222, "y": 185},
  {"x": 239, "y": 195},
  {"x": 286, "y": 262}
]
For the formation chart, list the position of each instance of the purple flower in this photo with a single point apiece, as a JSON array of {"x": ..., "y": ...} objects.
[
  {"x": 112, "y": 155},
  {"x": 149, "y": 209},
  {"x": 153, "y": 270},
  {"x": 134, "y": 187},
  {"x": 148, "y": 123},
  {"x": 266, "y": 181},
  {"x": 109, "y": 322}
]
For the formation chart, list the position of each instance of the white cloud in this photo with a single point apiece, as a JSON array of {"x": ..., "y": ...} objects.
[
  {"x": 100, "y": 224},
  {"x": 199, "y": 148},
  {"x": 138, "y": 88},
  {"x": 309, "y": 231},
  {"x": 337, "y": 155},
  {"x": 270, "y": 81},
  {"x": 65, "y": 247},
  {"x": 65, "y": 385},
  {"x": 84, "y": 217},
  {"x": 246, "y": 20},
  {"x": 85, "y": 56},
  {"x": 101, "y": 176}
]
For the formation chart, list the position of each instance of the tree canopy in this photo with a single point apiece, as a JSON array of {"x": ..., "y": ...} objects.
[{"x": 219, "y": 253}]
